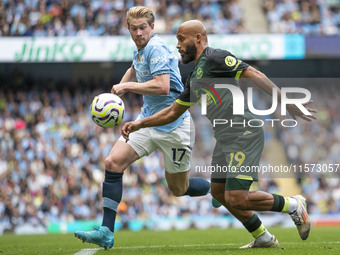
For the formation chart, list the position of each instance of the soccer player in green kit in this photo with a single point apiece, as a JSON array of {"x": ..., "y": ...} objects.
[{"x": 236, "y": 145}]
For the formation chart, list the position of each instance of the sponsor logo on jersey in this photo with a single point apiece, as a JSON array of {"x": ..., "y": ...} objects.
[
  {"x": 143, "y": 73},
  {"x": 159, "y": 59}
]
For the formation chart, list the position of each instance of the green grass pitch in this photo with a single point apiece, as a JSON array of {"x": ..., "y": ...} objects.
[{"x": 322, "y": 240}]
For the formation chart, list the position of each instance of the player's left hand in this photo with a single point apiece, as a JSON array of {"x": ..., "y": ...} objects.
[
  {"x": 294, "y": 111},
  {"x": 130, "y": 127},
  {"x": 118, "y": 89}
]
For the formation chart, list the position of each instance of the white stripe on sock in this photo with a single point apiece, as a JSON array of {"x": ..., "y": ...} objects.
[{"x": 292, "y": 204}]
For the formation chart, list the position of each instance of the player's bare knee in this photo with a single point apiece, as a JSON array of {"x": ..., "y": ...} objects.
[
  {"x": 237, "y": 204},
  {"x": 236, "y": 200},
  {"x": 112, "y": 165}
]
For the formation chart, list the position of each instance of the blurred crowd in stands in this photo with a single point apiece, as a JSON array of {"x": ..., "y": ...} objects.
[
  {"x": 318, "y": 142},
  {"x": 308, "y": 17},
  {"x": 107, "y": 17},
  {"x": 52, "y": 154}
]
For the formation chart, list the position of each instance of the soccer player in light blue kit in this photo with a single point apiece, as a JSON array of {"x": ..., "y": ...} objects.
[{"x": 155, "y": 74}]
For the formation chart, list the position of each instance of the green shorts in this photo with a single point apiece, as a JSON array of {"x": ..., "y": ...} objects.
[{"x": 236, "y": 163}]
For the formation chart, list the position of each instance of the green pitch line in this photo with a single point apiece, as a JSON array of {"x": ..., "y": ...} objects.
[{"x": 322, "y": 240}]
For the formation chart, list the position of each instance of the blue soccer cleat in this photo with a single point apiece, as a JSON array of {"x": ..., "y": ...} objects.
[{"x": 101, "y": 236}]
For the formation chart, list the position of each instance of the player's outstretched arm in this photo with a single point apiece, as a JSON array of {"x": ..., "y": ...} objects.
[
  {"x": 159, "y": 85},
  {"x": 163, "y": 117},
  {"x": 264, "y": 83},
  {"x": 294, "y": 111}
]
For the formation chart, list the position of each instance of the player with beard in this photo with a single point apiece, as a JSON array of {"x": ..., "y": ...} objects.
[{"x": 236, "y": 146}]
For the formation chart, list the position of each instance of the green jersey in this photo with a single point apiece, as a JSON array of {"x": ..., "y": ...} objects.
[{"x": 216, "y": 66}]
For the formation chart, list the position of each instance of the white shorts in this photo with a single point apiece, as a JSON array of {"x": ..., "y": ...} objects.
[{"x": 176, "y": 146}]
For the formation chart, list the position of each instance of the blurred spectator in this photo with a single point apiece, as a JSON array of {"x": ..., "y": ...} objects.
[
  {"x": 308, "y": 17},
  {"x": 107, "y": 17}
]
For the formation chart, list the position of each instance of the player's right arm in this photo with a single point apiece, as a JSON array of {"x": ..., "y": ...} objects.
[
  {"x": 264, "y": 83},
  {"x": 163, "y": 117},
  {"x": 129, "y": 76}
]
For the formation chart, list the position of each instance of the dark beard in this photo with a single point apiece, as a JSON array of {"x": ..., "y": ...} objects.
[{"x": 190, "y": 54}]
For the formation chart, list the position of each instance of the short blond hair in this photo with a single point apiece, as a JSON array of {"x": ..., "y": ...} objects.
[{"x": 137, "y": 12}]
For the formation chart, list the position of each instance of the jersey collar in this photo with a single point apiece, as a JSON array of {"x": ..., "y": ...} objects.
[{"x": 202, "y": 54}]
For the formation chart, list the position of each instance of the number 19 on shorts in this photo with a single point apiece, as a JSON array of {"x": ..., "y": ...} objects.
[{"x": 238, "y": 157}]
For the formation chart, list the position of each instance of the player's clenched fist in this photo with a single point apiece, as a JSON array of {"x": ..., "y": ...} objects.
[
  {"x": 119, "y": 89},
  {"x": 130, "y": 127}
]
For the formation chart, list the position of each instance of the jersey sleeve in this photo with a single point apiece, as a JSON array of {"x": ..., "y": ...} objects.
[
  {"x": 186, "y": 97},
  {"x": 222, "y": 63},
  {"x": 159, "y": 61}
]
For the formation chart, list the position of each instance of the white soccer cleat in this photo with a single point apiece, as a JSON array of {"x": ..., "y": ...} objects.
[
  {"x": 273, "y": 243},
  {"x": 300, "y": 217}
]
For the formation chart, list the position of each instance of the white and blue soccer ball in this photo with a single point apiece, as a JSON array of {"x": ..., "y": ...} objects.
[{"x": 107, "y": 110}]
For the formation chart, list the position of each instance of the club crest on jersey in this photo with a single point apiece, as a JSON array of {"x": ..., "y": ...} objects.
[
  {"x": 199, "y": 73},
  {"x": 140, "y": 60},
  {"x": 230, "y": 61}
]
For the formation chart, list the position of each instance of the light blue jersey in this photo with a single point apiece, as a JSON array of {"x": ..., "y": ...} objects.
[{"x": 152, "y": 60}]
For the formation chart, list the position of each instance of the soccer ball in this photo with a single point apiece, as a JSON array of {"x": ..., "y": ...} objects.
[{"x": 107, "y": 110}]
